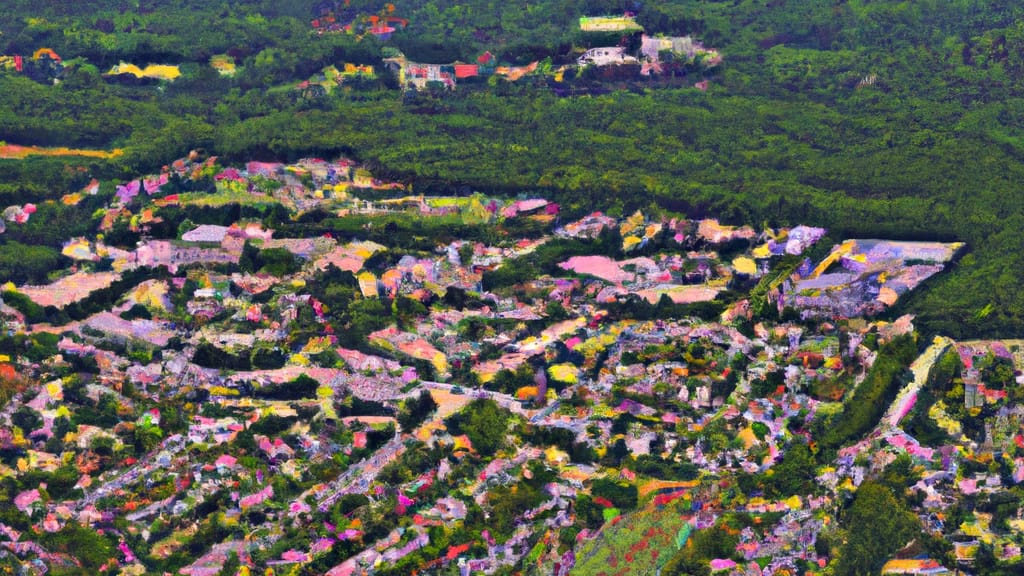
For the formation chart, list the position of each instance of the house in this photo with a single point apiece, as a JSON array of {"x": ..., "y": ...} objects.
[
  {"x": 45, "y": 66},
  {"x": 268, "y": 169},
  {"x": 368, "y": 284},
  {"x": 680, "y": 46},
  {"x": 224, "y": 64},
  {"x": 605, "y": 56},
  {"x": 205, "y": 233},
  {"x": 16, "y": 63},
  {"x": 650, "y": 46},
  {"x": 419, "y": 75}
]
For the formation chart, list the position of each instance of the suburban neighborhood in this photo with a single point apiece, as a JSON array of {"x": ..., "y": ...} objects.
[{"x": 354, "y": 379}]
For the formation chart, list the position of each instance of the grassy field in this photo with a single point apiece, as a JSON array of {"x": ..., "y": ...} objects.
[
  {"x": 15, "y": 152},
  {"x": 637, "y": 544}
]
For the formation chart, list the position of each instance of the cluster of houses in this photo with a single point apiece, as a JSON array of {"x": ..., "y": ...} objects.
[
  {"x": 161, "y": 446},
  {"x": 654, "y": 50},
  {"x": 651, "y": 55},
  {"x": 333, "y": 17},
  {"x": 419, "y": 76},
  {"x": 330, "y": 78},
  {"x": 863, "y": 277},
  {"x": 44, "y": 65}
]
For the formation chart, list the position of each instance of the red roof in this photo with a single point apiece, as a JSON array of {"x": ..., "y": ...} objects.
[
  {"x": 454, "y": 551},
  {"x": 466, "y": 70}
]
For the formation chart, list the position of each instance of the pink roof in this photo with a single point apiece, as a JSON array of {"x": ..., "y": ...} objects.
[
  {"x": 722, "y": 564},
  {"x": 294, "y": 556},
  {"x": 226, "y": 461},
  {"x": 600, "y": 266},
  {"x": 228, "y": 174},
  {"x": 153, "y": 185},
  {"x": 968, "y": 486},
  {"x": 26, "y": 499}
]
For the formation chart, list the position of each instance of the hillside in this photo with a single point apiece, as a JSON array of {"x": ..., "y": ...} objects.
[{"x": 884, "y": 118}]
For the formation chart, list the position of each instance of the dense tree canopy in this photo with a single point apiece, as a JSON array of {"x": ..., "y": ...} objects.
[
  {"x": 876, "y": 525},
  {"x": 484, "y": 422}
]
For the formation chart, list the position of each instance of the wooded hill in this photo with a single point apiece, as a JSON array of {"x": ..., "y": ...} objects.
[{"x": 883, "y": 118}]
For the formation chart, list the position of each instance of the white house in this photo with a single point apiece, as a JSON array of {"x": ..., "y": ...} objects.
[{"x": 605, "y": 56}]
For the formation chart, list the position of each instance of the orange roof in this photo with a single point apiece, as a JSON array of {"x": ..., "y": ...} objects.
[
  {"x": 909, "y": 566},
  {"x": 46, "y": 52}
]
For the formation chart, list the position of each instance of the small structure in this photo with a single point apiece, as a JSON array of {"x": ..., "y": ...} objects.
[
  {"x": 224, "y": 64},
  {"x": 152, "y": 71}
]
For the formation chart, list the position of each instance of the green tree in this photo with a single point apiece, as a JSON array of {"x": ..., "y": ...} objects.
[
  {"x": 26, "y": 419},
  {"x": 622, "y": 494},
  {"x": 407, "y": 310},
  {"x": 795, "y": 474},
  {"x": 279, "y": 262},
  {"x": 249, "y": 261},
  {"x": 416, "y": 410},
  {"x": 147, "y": 438},
  {"x": 486, "y": 424},
  {"x": 876, "y": 525}
]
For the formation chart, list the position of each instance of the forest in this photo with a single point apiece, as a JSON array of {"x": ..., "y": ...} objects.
[{"x": 896, "y": 119}]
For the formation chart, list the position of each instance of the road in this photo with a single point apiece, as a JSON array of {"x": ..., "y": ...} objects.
[
  {"x": 147, "y": 464},
  {"x": 359, "y": 476}
]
